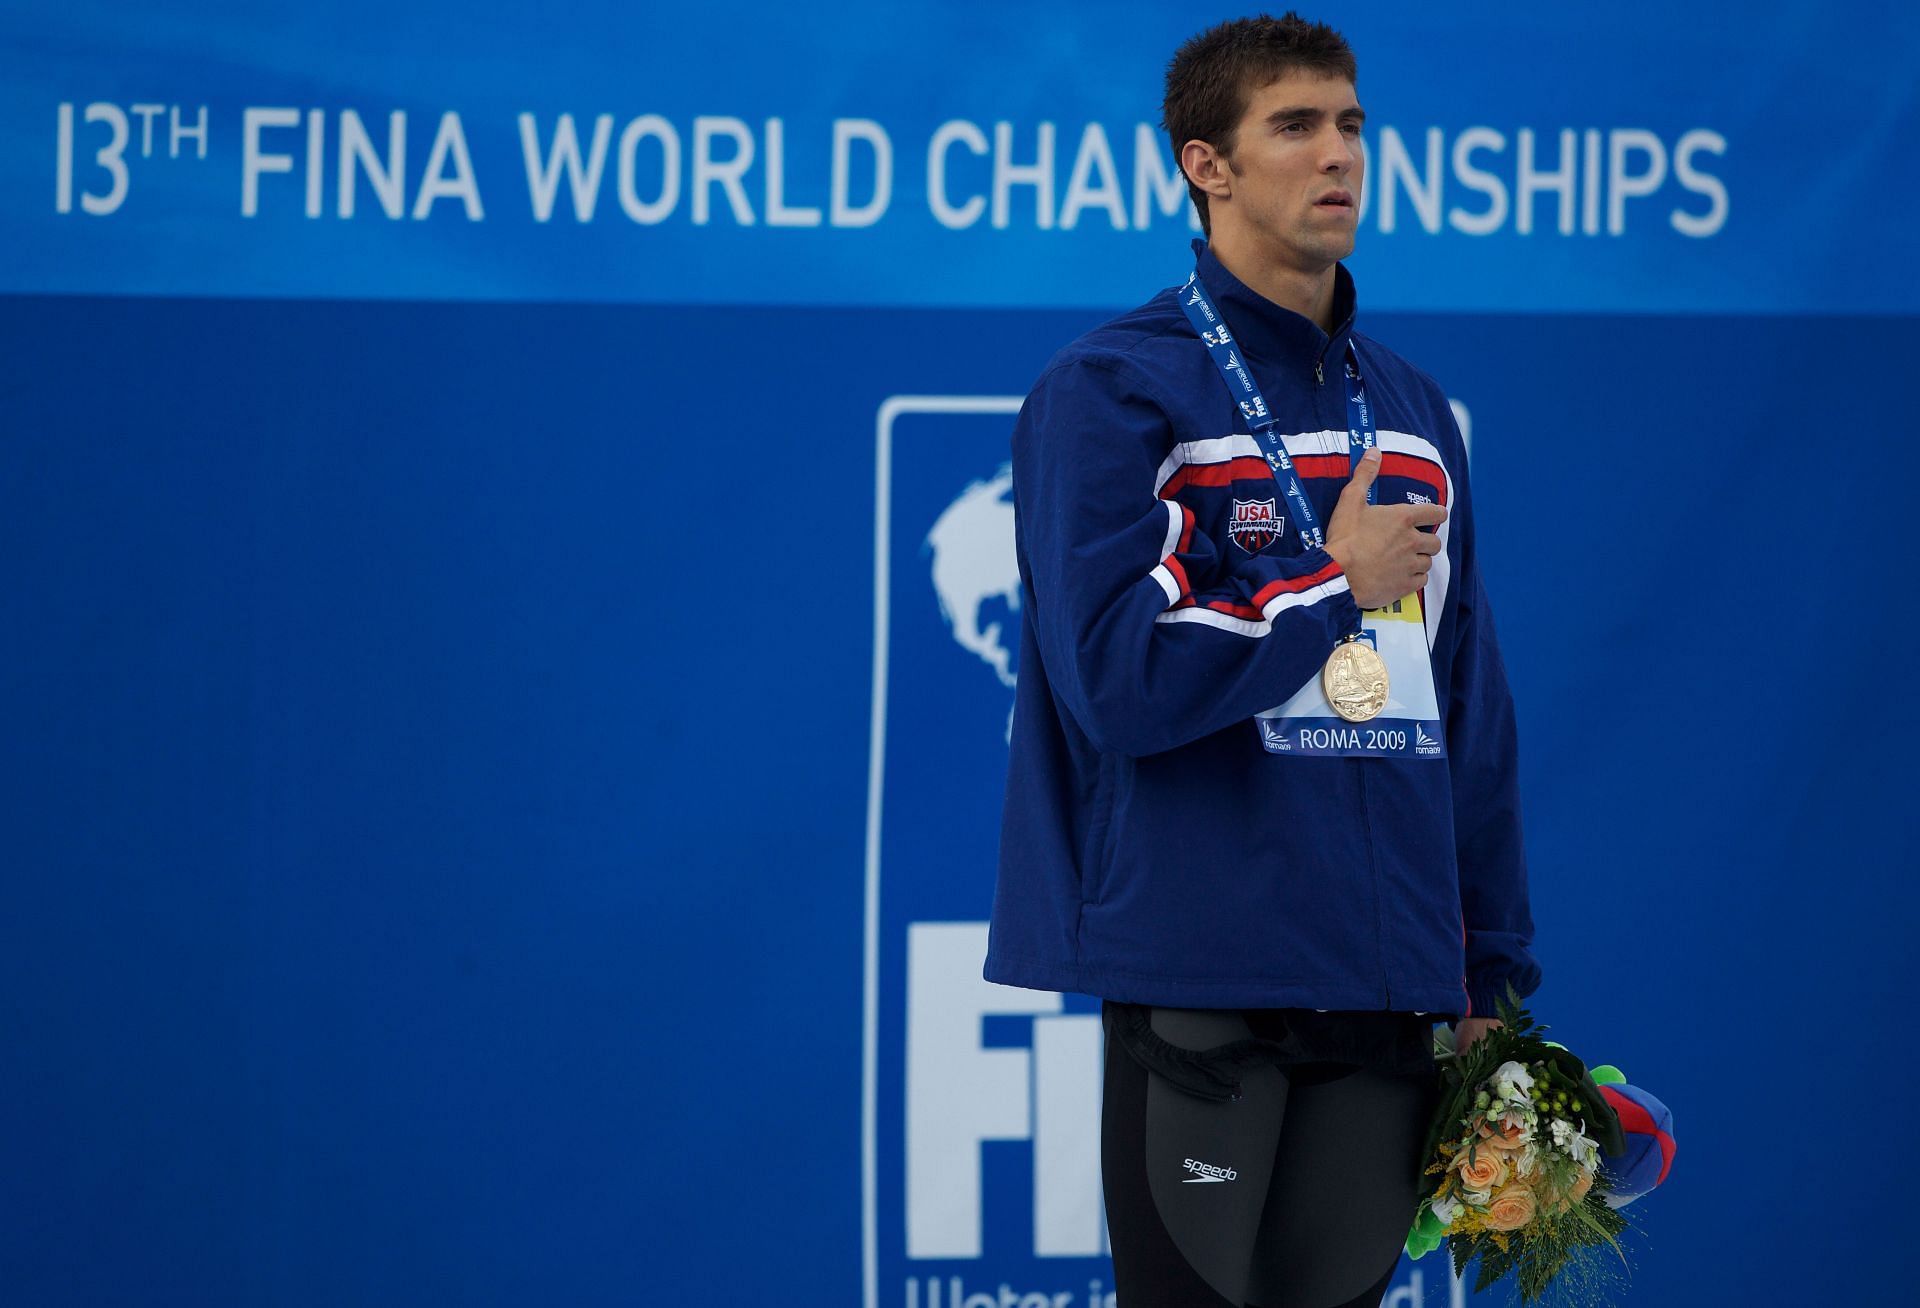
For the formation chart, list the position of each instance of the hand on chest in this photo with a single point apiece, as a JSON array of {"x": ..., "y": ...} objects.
[{"x": 1236, "y": 502}]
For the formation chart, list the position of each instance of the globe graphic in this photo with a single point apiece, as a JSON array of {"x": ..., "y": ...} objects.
[{"x": 975, "y": 573}]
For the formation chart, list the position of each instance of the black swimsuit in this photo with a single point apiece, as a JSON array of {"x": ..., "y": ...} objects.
[{"x": 1210, "y": 1202}]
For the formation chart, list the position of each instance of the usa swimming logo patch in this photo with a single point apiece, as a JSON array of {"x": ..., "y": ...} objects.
[{"x": 1255, "y": 524}]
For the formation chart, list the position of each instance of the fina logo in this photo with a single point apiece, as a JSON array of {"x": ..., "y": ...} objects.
[
  {"x": 980, "y": 1110},
  {"x": 1255, "y": 524},
  {"x": 964, "y": 1093}
]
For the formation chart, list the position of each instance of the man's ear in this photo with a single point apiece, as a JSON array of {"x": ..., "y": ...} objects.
[{"x": 1207, "y": 169}]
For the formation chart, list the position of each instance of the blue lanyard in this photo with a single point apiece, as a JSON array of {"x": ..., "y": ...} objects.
[{"x": 1261, "y": 420}]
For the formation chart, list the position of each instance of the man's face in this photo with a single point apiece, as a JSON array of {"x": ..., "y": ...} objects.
[{"x": 1295, "y": 170}]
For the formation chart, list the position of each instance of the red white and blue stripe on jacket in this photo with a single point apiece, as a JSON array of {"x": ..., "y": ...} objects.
[{"x": 1192, "y": 475}]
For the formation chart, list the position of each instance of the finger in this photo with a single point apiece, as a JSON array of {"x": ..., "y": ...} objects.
[
  {"x": 1423, "y": 543},
  {"x": 1426, "y": 515},
  {"x": 1363, "y": 474}
]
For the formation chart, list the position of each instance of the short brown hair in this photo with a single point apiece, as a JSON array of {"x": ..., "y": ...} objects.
[{"x": 1211, "y": 77}]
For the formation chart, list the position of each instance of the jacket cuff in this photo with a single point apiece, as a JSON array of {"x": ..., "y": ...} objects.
[
  {"x": 1485, "y": 991},
  {"x": 1343, "y": 617}
]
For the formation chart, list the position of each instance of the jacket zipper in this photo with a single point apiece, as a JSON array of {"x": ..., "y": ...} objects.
[
  {"x": 1319, "y": 372},
  {"x": 1373, "y": 865}
]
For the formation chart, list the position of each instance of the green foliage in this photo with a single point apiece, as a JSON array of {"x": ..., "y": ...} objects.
[
  {"x": 1462, "y": 1249},
  {"x": 1495, "y": 1263}
]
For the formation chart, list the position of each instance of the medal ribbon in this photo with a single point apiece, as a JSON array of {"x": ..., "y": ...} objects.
[{"x": 1214, "y": 334}]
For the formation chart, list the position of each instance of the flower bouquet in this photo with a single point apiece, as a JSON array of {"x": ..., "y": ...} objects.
[{"x": 1514, "y": 1175}]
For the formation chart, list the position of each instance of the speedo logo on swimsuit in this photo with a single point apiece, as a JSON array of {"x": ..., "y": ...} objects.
[{"x": 1207, "y": 1172}]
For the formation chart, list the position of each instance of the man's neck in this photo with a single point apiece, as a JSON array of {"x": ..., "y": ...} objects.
[{"x": 1307, "y": 293}]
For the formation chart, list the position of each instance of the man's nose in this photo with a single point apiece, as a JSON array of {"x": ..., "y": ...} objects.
[{"x": 1341, "y": 154}]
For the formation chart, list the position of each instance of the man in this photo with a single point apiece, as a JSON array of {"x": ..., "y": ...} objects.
[{"x": 1261, "y": 795}]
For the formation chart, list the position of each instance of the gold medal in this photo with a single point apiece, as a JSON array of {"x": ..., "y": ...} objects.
[{"x": 1355, "y": 680}]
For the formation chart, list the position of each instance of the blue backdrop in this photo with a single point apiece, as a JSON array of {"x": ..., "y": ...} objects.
[{"x": 508, "y": 672}]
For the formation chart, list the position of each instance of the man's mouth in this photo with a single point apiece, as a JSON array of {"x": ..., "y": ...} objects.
[{"x": 1336, "y": 200}]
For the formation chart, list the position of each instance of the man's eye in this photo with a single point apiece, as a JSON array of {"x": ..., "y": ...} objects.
[
  {"x": 1292, "y": 126},
  {"x": 1351, "y": 129}
]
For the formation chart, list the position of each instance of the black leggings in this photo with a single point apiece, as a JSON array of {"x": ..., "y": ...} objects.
[{"x": 1213, "y": 1205}]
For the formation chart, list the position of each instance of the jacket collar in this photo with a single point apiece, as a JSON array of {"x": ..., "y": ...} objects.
[{"x": 1269, "y": 333}]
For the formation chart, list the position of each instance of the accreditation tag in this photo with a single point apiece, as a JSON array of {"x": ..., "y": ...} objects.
[{"x": 1409, "y": 725}]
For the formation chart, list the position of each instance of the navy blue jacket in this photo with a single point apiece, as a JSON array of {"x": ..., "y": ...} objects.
[{"x": 1151, "y": 850}]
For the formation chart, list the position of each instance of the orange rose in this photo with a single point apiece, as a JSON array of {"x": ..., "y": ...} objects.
[
  {"x": 1482, "y": 1169},
  {"x": 1580, "y": 1187},
  {"x": 1511, "y": 1209},
  {"x": 1503, "y": 1136}
]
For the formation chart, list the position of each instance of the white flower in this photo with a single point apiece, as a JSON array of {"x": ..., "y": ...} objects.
[
  {"x": 1526, "y": 1160},
  {"x": 1512, "y": 1080},
  {"x": 1515, "y": 1115},
  {"x": 1447, "y": 1208},
  {"x": 1581, "y": 1148},
  {"x": 1478, "y": 1198}
]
